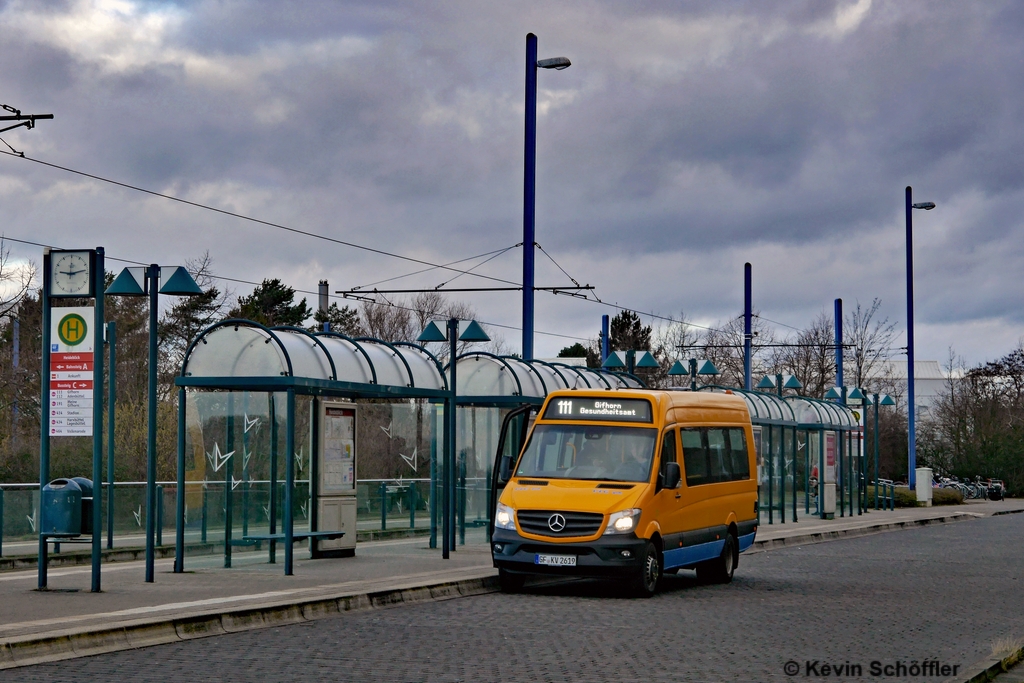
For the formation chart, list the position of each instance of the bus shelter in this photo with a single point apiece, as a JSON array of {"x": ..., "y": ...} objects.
[
  {"x": 775, "y": 441},
  {"x": 243, "y": 385},
  {"x": 488, "y": 387},
  {"x": 831, "y": 448}
]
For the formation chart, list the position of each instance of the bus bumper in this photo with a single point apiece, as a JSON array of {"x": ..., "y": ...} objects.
[{"x": 608, "y": 556}]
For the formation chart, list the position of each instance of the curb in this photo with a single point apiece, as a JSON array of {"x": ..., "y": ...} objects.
[
  {"x": 823, "y": 536},
  {"x": 44, "y": 648},
  {"x": 988, "y": 669}
]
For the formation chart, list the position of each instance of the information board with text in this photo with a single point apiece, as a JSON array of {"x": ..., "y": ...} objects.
[{"x": 72, "y": 345}]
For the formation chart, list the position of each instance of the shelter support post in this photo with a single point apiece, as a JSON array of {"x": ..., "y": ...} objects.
[
  {"x": 272, "y": 506},
  {"x": 841, "y": 480},
  {"x": 795, "y": 449},
  {"x": 289, "y": 468},
  {"x": 179, "y": 507},
  {"x": 821, "y": 474},
  {"x": 432, "y": 501},
  {"x": 229, "y": 471}
]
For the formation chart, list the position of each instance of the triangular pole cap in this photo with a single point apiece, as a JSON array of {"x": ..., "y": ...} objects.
[
  {"x": 432, "y": 333},
  {"x": 474, "y": 333},
  {"x": 129, "y": 282},
  {"x": 180, "y": 283},
  {"x": 613, "y": 361}
]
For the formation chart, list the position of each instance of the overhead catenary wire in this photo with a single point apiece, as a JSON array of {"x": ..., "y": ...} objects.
[
  {"x": 225, "y": 278},
  {"x": 252, "y": 219}
]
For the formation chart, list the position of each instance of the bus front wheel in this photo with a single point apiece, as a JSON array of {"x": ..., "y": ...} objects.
[
  {"x": 509, "y": 582},
  {"x": 645, "y": 582}
]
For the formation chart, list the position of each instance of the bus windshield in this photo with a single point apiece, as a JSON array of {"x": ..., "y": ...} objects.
[{"x": 570, "y": 451}]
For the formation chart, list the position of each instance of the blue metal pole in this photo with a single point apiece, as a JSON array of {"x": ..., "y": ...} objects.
[
  {"x": 839, "y": 346},
  {"x": 529, "y": 196},
  {"x": 747, "y": 324},
  {"x": 44, "y": 423},
  {"x": 606, "y": 342},
  {"x": 97, "y": 422},
  {"x": 111, "y": 403},
  {"x": 179, "y": 494},
  {"x": 911, "y": 436},
  {"x": 229, "y": 474}
]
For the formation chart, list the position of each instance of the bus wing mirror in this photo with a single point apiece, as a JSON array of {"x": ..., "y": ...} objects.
[
  {"x": 505, "y": 470},
  {"x": 672, "y": 475}
]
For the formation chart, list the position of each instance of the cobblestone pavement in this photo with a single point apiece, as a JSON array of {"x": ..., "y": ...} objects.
[{"x": 943, "y": 593}]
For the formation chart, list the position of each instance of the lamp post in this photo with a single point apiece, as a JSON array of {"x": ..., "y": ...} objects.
[
  {"x": 911, "y": 437},
  {"x": 470, "y": 332},
  {"x": 876, "y": 400},
  {"x": 530, "y": 182},
  {"x": 146, "y": 282}
]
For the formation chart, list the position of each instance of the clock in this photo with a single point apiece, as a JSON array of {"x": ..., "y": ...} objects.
[{"x": 71, "y": 273}]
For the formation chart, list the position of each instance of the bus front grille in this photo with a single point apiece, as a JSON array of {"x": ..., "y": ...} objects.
[{"x": 559, "y": 522}]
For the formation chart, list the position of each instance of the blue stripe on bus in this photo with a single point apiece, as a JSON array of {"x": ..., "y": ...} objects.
[
  {"x": 681, "y": 557},
  {"x": 746, "y": 541}
]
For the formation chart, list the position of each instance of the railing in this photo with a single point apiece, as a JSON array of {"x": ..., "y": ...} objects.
[{"x": 381, "y": 504}]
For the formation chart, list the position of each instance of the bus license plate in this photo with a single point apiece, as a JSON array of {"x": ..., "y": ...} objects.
[{"x": 555, "y": 560}]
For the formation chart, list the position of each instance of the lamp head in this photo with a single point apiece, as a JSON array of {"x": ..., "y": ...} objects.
[
  {"x": 556, "y": 63},
  {"x": 927, "y": 206}
]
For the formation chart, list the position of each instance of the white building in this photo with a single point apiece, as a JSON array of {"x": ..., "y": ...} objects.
[{"x": 930, "y": 381}]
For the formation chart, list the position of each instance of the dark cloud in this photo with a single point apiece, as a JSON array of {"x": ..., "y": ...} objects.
[{"x": 699, "y": 135}]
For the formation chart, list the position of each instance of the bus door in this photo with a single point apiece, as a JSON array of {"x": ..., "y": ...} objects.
[{"x": 514, "y": 429}]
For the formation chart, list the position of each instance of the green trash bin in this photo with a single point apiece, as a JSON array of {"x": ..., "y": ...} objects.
[{"x": 60, "y": 504}]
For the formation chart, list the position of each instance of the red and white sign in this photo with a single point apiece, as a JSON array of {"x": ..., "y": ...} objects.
[{"x": 71, "y": 372}]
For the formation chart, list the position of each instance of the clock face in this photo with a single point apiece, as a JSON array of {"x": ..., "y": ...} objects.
[{"x": 70, "y": 274}]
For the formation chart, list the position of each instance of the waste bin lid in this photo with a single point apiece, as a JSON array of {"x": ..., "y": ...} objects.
[
  {"x": 58, "y": 484},
  {"x": 85, "y": 485}
]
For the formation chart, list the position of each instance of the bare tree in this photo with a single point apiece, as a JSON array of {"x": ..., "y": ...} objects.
[
  {"x": 811, "y": 358},
  {"x": 870, "y": 340},
  {"x": 15, "y": 281},
  {"x": 389, "y": 321}
]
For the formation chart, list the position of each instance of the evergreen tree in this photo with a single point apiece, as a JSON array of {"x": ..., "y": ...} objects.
[
  {"x": 627, "y": 333},
  {"x": 272, "y": 303}
]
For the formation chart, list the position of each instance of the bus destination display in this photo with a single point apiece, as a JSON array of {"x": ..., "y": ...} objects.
[{"x": 599, "y": 409}]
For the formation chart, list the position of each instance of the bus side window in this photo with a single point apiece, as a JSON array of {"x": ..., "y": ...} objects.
[
  {"x": 695, "y": 457},
  {"x": 720, "y": 469},
  {"x": 738, "y": 451}
]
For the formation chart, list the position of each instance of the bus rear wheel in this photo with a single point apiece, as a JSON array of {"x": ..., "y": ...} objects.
[
  {"x": 509, "y": 582},
  {"x": 645, "y": 582},
  {"x": 720, "y": 569}
]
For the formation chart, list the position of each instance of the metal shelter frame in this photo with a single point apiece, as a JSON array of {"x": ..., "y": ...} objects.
[{"x": 243, "y": 355}]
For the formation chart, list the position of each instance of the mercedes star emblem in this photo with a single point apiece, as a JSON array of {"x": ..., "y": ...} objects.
[{"x": 556, "y": 522}]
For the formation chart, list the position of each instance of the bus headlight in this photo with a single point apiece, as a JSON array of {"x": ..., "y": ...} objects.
[
  {"x": 505, "y": 517},
  {"x": 622, "y": 522}
]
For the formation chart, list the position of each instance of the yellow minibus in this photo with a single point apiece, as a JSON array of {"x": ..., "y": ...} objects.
[{"x": 627, "y": 484}]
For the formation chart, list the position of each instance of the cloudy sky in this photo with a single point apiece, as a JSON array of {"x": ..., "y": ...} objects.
[{"x": 686, "y": 139}]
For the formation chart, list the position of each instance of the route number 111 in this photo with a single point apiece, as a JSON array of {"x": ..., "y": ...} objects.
[{"x": 565, "y": 407}]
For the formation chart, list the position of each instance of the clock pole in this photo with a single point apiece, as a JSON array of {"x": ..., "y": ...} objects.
[
  {"x": 97, "y": 275},
  {"x": 44, "y": 423}
]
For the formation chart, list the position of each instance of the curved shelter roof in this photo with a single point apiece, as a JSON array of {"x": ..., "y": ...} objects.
[
  {"x": 488, "y": 379},
  {"x": 814, "y": 413},
  {"x": 242, "y": 354},
  {"x": 764, "y": 408}
]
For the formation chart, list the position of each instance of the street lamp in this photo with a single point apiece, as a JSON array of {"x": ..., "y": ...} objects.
[
  {"x": 530, "y": 182},
  {"x": 876, "y": 400},
  {"x": 912, "y": 437},
  {"x": 146, "y": 282}
]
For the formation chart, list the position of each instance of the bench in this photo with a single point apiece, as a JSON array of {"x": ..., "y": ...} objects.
[{"x": 296, "y": 536}]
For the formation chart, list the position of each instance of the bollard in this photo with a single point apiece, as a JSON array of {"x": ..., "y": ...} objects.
[
  {"x": 204, "y": 512},
  {"x": 412, "y": 505},
  {"x": 383, "y": 506},
  {"x": 159, "y": 515}
]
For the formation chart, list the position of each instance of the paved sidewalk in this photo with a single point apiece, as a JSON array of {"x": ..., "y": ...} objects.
[{"x": 67, "y": 620}]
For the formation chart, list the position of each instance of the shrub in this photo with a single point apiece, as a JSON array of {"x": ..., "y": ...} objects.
[
  {"x": 905, "y": 498},
  {"x": 947, "y": 497}
]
